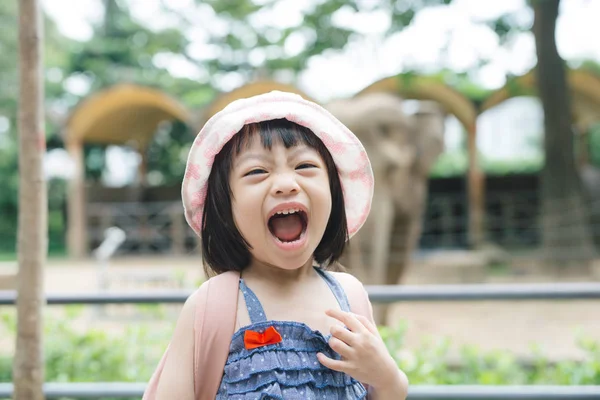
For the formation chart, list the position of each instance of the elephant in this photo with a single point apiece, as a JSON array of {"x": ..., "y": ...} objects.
[{"x": 402, "y": 149}]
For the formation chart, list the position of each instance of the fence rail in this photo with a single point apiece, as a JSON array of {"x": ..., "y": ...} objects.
[
  {"x": 379, "y": 294},
  {"x": 425, "y": 392}
]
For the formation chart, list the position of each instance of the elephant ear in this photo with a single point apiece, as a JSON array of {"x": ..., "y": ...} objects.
[
  {"x": 379, "y": 121},
  {"x": 429, "y": 135}
]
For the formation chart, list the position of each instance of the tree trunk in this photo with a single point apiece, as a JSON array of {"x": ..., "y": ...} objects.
[
  {"x": 110, "y": 10},
  {"x": 565, "y": 223},
  {"x": 28, "y": 367}
]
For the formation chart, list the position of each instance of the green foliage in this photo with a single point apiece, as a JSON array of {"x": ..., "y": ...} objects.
[
  {"x": 592, "y": 66},
  {"x": 456, "y": 163},
  {"x": 318, "y": 30},
  {"x": 56, "y": 50},
  {"x": 518, "y": 166},
  {"x": 95, "y": 355},
  {"x": 121, "y": 50},
  {"x": 124, "y": 50},
  {"x": 9, "y": 182},
  {"x": 77, "y": 355},
  {"x": 594, "y": 144},
  {"x": 450, "y": 164},
  {"x": 245, "y": 37},
  {"x": 167, "y": 155},
  {"x": 436, "y": 362}
]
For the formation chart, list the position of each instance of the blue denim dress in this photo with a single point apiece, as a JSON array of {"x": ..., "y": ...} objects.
[{"x": 289, "y": 369}]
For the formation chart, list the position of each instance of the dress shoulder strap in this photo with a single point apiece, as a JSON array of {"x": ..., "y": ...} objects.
[
  {"x": 255, "y": 308},
  {"x": 336, "y": 288},
  {"x": 356, "y": 293}
]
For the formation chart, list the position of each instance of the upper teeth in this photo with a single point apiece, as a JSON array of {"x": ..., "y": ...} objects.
[{"x": 290, "y": 211}]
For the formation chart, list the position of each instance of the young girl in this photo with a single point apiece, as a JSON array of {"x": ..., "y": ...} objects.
[{"x": 275, "y": 186}]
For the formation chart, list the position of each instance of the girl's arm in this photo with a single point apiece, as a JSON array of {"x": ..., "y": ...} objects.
[
  {"x": 395, "y": 390},
  {"x": 177, "y": 378}
]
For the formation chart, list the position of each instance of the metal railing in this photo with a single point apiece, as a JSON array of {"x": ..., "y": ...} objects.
[
  {"x": 378, "y": 294},
  {"x": 445, "y": 392}
]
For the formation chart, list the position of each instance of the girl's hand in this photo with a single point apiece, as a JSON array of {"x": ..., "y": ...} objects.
[{"x": 364, "y": 355}]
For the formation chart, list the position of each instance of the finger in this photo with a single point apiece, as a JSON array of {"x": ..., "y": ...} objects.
[
  {"x": 348, "y": 319},
  {"x": 368, "y": 324},
  {"x": 340, "y": 347},
  {"x": 336, "y": 365},
  {"x": 343, "y": 334}
]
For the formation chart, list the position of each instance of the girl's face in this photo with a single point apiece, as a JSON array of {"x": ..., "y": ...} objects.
[{"x": 281, "y": 201}]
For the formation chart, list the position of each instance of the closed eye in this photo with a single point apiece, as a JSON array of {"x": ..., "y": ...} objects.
[
  {"x": 305, "y": 166},
  {"x": 256, "y": 172}
]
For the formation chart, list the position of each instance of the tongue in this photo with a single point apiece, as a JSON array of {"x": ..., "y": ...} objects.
[{"x": 287, "y": 228}]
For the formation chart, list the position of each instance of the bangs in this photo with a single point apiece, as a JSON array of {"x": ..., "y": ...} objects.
[{"x": 275, "y": 131}]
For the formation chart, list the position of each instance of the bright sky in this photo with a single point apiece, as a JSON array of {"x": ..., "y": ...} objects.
[{"x": 341, "y": 74}]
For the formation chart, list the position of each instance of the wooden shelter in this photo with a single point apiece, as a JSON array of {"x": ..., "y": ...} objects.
[
  {"x": 122, "y": 115},
  {"x": 585, "y": 100},
  {"x": 249, "y": 90}
]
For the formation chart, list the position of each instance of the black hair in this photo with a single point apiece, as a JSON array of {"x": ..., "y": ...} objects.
[{"x": 223, "y": 247}]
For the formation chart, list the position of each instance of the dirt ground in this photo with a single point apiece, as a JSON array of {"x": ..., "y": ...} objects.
[{"x": 492, "y": 325}]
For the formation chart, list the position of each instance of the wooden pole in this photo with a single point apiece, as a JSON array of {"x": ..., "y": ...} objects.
[
  {"x": 475, "y": 188},
  {"x": 77, "y": 222},
  {"x": 28, "y": 364}
]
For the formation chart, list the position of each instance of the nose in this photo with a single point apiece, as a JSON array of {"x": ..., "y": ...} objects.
[{"x": 285, "y": 184}]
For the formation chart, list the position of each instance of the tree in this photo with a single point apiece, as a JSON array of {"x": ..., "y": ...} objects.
[
  {"x": 249, "y": 48},
  {"x": 565, "y": 234},
  {"x": 565, "y": 222},
  {"x": 123, "y": 50},
  {"x": 28, "y": 367},
  {"x": 56, "y": 50}
]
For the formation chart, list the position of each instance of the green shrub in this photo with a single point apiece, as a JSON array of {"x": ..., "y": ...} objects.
[
  {"x": 98, "y": 355},
  {"x": 432, "y": 364},
  {"x": 93, "y": 355}
]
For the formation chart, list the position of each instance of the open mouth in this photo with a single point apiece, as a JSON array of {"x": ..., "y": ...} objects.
[{"x": 288, "y": 226}]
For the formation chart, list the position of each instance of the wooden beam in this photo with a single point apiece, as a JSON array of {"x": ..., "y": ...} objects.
[
  {"x": 476, "y": 193},
  {"x": 77, "y": 243}
]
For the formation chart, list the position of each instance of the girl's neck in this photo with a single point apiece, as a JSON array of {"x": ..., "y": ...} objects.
[{"x": 275, "y": 275}]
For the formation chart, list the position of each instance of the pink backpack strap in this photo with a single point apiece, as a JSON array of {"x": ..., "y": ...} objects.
[
  {"x": 151, "y": 388},
  {"x": 214, "y": 325}
]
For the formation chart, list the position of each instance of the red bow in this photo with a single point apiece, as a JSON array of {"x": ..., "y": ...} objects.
[{"x": 254, "y": 339}]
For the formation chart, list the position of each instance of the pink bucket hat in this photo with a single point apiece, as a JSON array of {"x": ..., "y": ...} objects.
[{"x": 348, "y": 153}]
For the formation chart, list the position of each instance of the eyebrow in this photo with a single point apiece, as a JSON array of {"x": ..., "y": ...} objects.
[
  {"x": 301, "y": 148},
  {"x": 248, "y": 156},
  {"x": 293, "y": 152}
]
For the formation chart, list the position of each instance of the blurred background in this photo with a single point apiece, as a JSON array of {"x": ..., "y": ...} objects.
[{"x": 448, "y": 97}]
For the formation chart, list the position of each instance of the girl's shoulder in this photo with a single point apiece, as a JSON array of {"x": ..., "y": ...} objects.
[
  {"x": 356, "y": 293},
  {"x": 347, "y": 279}
]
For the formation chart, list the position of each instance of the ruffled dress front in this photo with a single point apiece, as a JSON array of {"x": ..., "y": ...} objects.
[{"x": 285, "y": 367}]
